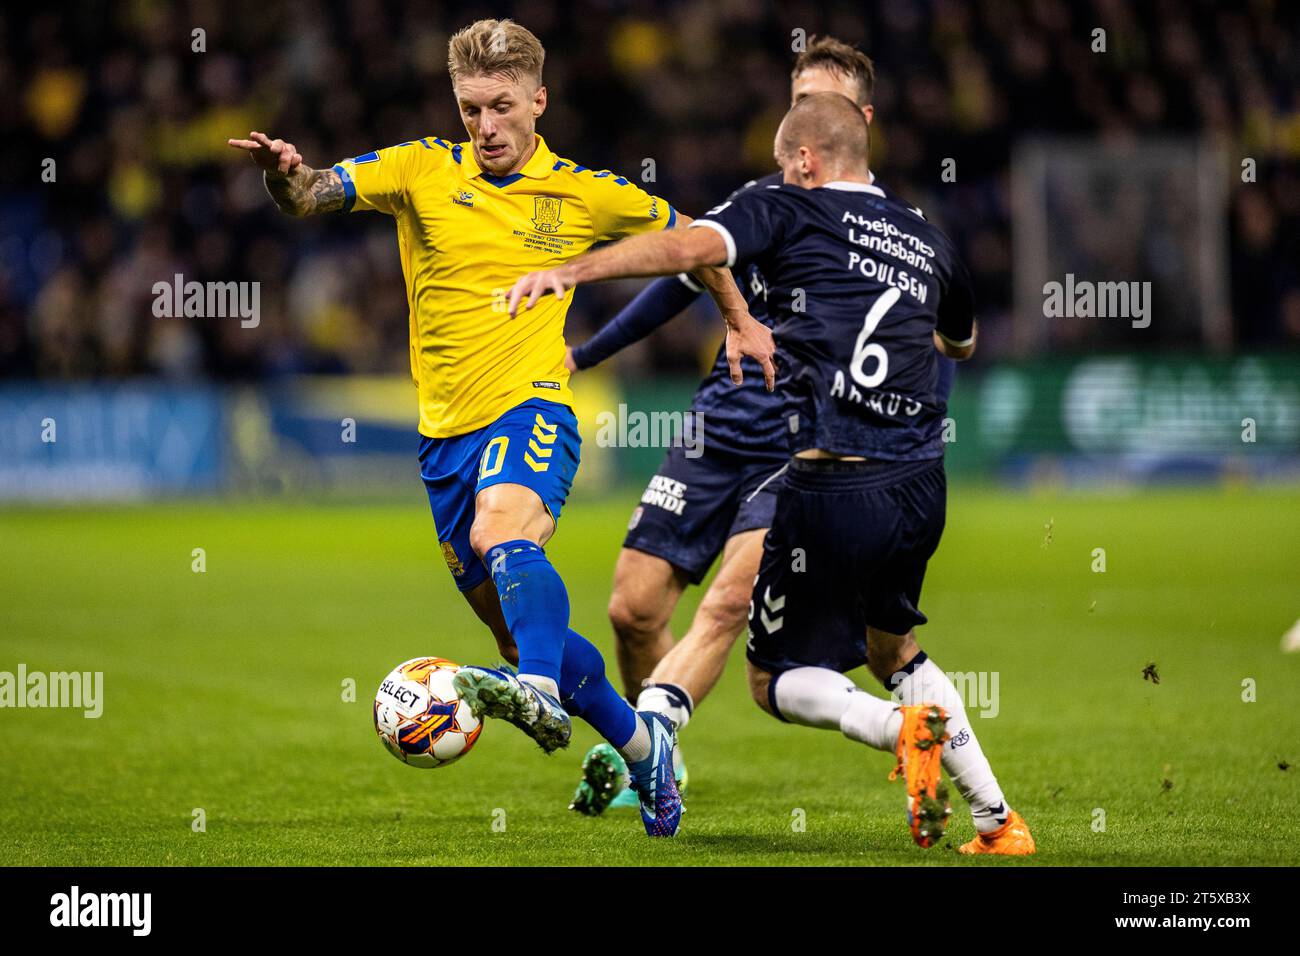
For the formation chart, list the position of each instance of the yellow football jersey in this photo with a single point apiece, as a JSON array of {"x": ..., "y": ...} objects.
[{"x": 464, "y": 237}]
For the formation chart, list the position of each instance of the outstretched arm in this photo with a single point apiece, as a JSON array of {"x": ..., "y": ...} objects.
[
  {"x": 665, "y": 253},
  {"x": 649, "y": 254},
  {"x": 296, "y": 188}
]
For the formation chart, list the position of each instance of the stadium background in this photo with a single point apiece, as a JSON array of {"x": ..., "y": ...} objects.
[
  {"x": 146, "y": 189},
  {"x": 1123, "y": 165}
]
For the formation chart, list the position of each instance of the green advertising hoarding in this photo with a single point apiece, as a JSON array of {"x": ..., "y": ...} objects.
[{"x": 1117, "y": 416}]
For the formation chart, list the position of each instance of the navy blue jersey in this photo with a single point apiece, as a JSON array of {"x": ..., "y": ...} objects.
[
  {"x": 857, "y": 283},
  {"x": 744, "y": 418}
]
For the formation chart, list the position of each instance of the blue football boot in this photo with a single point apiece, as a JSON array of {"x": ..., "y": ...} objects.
[
  {"x": 653, "y": 778},
  {"x": 626, "y": 798}
]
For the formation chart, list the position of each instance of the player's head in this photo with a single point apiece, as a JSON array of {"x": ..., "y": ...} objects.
[
  {"x": 828, "y": 65},
  {"x": 822, "y": 139},
  {"x": 496, "y": 73}
]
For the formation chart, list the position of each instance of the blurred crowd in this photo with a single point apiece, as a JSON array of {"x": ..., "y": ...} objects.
[{"x": 133, "y": 107}]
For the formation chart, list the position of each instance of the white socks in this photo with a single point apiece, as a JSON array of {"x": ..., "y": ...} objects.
[
  {"x": 638, "y": 748},
  {"x": 541, "y": 683},
  {"x": 866, "y": 721},
  {"x": 671, "y": 700},
  {"x": 819, "y": 697},
  {"x": 963, "y": 760}
]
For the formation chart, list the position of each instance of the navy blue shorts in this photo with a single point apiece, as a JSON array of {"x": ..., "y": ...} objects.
[
  {"x": 693, "y": 505},
  {"x": 534, "y": 444},
  {"x": 847, "y": 550}
]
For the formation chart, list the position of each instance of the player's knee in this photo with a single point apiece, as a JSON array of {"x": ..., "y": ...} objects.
[
  {"x": 493, "y": 526},
  {"x": 635, "y": 621},
  {"x": 508, "y": 512},
  {"x": 485, "y": 533}
]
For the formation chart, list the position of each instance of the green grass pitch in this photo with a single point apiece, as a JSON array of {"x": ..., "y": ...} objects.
[{"x": 223, "y": 691}]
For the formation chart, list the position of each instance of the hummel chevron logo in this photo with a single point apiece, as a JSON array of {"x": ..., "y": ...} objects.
[
  {"x": 775, "y": 605},
  {"x": 545, "y": 433}
]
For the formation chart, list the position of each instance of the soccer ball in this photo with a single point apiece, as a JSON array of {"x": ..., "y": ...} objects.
[{"x": 420, "y": 718}]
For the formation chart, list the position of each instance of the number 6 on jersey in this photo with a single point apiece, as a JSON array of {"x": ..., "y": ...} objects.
[{"x": 863, "y": 351}]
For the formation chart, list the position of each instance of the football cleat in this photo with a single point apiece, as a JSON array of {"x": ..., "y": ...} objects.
[
  {"x": 1011, "y": 839},
  {"x": 920, "y": 750},
  {"x": 604, "y": 780},
  {"x": 491, "y": 692},
  {"x": 628, "y": 799},
  {"x": 653, "y": 778}
]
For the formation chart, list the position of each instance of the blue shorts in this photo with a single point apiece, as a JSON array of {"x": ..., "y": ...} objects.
[
  {"x": 535, "y": 444},
  {"x": 847, "y": 551},
  {"x": 692, "y": 506}
]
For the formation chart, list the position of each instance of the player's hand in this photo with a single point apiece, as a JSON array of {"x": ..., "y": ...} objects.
[
  {"x": 270, "y": 155},
  {"x": 748, "y": 336},
  {"x": 569, "y": 363},
  {"x": 537, "y": 284}
]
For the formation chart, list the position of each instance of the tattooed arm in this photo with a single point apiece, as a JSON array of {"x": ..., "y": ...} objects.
[
  {"x": 305, "y": 191},
  {"x": 296, "y": 188}
]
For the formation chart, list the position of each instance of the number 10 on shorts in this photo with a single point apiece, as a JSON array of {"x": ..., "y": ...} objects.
[{"x": 494, "y": 456}]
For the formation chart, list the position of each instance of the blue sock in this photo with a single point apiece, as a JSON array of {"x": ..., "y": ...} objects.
[
  {"x": 534, "y": 603},
  {"x": 585, "y": 692}
]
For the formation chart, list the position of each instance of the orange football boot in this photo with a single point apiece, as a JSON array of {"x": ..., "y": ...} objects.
[
  {"x": 1011, "y": 839},
  {"x": 920, "y": 749}
]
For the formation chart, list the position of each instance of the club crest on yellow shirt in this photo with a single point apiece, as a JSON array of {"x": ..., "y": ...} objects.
[{"x": 546, "y": 214}]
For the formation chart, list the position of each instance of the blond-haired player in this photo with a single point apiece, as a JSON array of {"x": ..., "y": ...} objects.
[{"x": 498, "y": 437}]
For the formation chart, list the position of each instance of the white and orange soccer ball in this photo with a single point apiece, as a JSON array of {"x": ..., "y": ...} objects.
[{"x": 420, "y": 718}]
